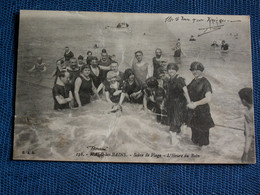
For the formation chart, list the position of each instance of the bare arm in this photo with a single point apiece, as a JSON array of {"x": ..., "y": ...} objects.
[
  {"x": 100, "y": 87},
  {"x": 95, "y": 90},
  {"x": 186, "y": 94},
  {"x": 32, "y": 69},
  {"x": 122, "y": 97},
  {"x": 108, "y": 98},
  {"x": 76, "y": 90},
  {"x": 145, "y": 102},
  {"x": 150, "y": 71},
  {"x": 249, "y": 133},
  {"x": 104, "y": 67},
  {"x": 61, "y": 100},
  {"x": 203, "y": 101}
]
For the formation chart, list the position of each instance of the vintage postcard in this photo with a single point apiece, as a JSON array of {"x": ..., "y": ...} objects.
[{"x": 135, "y": 88}]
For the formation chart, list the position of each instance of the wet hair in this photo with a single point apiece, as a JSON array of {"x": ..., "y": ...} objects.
[
  {"x": 127, "y": 73},
  {"x": 67, "y": 47},
  {"x": 104, "y": 51},
  {"x": 89, "y": 52},
  {"x": 196, "y": 66},
  {"x": 173, "y": 66},
  {"x": 84, "y": 67},
  {"x": 246, "y": 94},
  {"x": 152, "y": 82},
  {"x": 139, "y": 52},
  {"x": 158, "y": 49},
  {"x": 80, "y": 57}
]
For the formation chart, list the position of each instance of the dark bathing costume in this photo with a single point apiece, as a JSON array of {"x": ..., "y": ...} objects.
[
  {"x": 85, "y": 90},
  {"x": 200, "y": 119}
]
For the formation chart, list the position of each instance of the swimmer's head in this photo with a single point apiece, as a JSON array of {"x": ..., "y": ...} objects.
[
  {"x": 39, "y": 60},
  {"x": 64, "y": 76},
  {"x": 139, "y": 56},
  {"x": 94, "y": 61},
  {"x": 152, "y": 82},
  {"x": 104, "y": 56},
  {"x": 172, "y": 69},
  {"x": 73, "y": 63},
  {"x": 89, "y": 53},
  {"x": 67, "y": 49},
  {"x": 85, "y": 70},
  {"x": 246, "y": 96},
  {"x": 114, "y": 66},
  {"x": 129, "y": 74},
  {"x": 158, "y": 52}
]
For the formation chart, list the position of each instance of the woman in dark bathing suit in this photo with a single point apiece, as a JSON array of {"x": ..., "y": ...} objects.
[
  {"x": 177, "y": 98},
  {"x": 131, "y": 89},
  {"x": 199, "y": 118},
  {"x": 84, "y": 87}
]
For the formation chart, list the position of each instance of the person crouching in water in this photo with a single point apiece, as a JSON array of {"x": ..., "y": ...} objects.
[
  {"x": 113, "y": 89},
  {"x": 246, "y": 96},
  {"x": 131, "y": 89},
  {"x": 154, "y": 100},
  {"x": 84, "y": 87},
  {"x": 177, "y": 98}
]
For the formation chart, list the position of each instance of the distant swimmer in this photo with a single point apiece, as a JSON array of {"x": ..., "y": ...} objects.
[
  {"x": 224, "y": 46},
  {"x": 89, "y": 57},
  {"x": 39, "y": 66},
  {"x": 192, "y": 38},
  {"x": 96, "y": 46},
  {"x": 177, "y": 53},
  {"x": 214, "y": 44},
  {"x": 68, "y": 55}
]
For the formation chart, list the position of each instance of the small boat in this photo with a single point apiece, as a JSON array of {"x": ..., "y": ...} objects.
[{"x": 121, "y": 27}]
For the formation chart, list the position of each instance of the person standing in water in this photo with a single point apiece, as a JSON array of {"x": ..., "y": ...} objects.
[
  {"x": 89, "y": 57},
  {"x": 246, "y": 96},
  {"x": 80, "y": 61},
  {"x": 178, "y": 53},
  {"x": 61, "y": 92},
  {"x": 177, "y": 98},
  {"x": 84, "y": 87},
  {"x": 95, "y": 72},
  {"x": 157, "y": 61},
  {"x": 142, "y": 70},
  {"x": 199, "y": 117},
  {"x": 104, "y": 64},
  {"x": 67, "y": 55}
]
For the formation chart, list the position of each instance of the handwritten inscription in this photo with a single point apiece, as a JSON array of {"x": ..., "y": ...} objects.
[{"x": 194, "y": 20}]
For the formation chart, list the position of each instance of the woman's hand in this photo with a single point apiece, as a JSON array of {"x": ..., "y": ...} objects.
[{"x": 192, "y": 105}]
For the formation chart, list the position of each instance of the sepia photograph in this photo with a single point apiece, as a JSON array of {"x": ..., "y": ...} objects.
[{"x": 134, "y": 88}]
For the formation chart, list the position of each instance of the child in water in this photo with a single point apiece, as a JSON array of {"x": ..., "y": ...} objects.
[
  {"x": 113, "y": 90},
  {"x": 246, "y": 96},
  {"x": 154, "y": 100}
]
